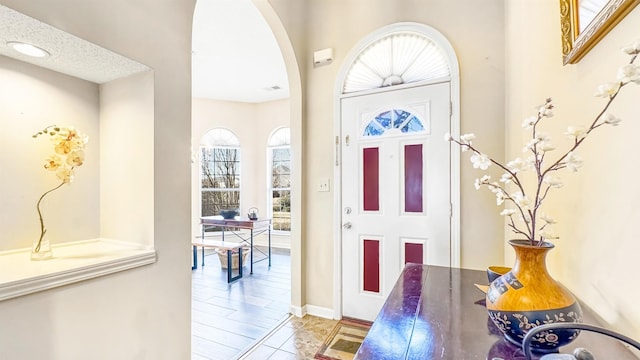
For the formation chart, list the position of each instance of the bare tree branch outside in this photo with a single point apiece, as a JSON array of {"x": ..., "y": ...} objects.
[
  {"x": 220, "y": 178},
  {"x": 281, "y": 188}
]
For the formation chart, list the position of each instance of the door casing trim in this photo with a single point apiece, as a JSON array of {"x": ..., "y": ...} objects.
[{"x": 454, "y": 165}]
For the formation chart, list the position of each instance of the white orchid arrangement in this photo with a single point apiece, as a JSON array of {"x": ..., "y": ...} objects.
[
  {"x": 68, "y": 145},
  {"x": 525, "y": 217}
]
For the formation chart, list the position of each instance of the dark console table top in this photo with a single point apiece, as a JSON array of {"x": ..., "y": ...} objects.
[{"x": 437, "y": 313}]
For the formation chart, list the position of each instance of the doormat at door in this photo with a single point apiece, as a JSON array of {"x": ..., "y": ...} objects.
[{"x": 344, "y": 340}]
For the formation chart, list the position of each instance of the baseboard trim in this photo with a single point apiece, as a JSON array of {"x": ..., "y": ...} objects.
[
  {"x": 318, "y": 311},
  {"x": 298, "y": 310}
]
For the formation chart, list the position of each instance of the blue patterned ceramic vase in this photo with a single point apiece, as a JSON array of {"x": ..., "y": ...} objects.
[{"x": 527, "y": 296}]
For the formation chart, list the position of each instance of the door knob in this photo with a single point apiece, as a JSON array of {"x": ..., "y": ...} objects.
[{"x": 347, "y": 225}]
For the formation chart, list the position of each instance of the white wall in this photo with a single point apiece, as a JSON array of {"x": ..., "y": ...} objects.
[
  {"x": 597, "y": 209},
  {"x": 142, "y": 313},
  {"x": 32, "y": 98},
  {"x": 126, "y": 159}
]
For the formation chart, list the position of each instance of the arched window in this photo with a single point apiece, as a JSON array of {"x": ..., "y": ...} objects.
[
  {"x": 399, "y": 58},
  {"x": 393, "y": 121},
  {"x": 220, "y": 171},
  {"x": 279, "y": 152}
]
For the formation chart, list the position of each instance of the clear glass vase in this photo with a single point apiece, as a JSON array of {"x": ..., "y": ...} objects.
[{"x": 41, "y": 249}]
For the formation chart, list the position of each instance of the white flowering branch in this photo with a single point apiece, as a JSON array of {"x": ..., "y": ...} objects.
[
  {"x": 526, "y": 211},
  {"x": 68, "y": 145}
]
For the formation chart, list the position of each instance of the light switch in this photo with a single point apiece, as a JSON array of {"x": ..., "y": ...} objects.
[{"x": 323, "y": 186}]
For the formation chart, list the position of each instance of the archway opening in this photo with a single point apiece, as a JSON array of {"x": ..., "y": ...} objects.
[{"x": 251, "y": 114}]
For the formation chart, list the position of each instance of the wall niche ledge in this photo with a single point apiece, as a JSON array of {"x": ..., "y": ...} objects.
[
  {"x": 72, "y": 262},
  {"x": 108, "y": 97}
]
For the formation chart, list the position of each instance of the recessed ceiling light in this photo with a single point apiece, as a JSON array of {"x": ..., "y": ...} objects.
[{"x": 28, "y": 49}]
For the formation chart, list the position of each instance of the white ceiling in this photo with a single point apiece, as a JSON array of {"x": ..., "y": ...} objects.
[
  {"x": 68, "y": 54},
  {"x": 235, "y": 54}
]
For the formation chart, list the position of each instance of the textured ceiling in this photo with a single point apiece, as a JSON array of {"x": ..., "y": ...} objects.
[{"x": 69, "y": 54}]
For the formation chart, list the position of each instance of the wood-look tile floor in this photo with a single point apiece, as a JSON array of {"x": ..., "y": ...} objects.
[{"x": 229, "y": 319}]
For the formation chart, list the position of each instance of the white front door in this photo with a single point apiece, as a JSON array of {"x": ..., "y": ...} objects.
[{"x": 395, "y": 190}]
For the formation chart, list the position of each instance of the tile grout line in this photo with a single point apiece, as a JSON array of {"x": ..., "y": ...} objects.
[
  {"x": 249, "y": 351},
  {"x": 218, "y": 307}
]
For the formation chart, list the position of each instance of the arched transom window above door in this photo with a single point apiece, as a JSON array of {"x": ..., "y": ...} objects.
[
  {"x": 393, "y": 121},
  {"x": 399, "y": 58}
]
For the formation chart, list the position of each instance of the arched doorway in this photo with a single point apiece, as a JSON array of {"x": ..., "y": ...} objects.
[
  {"x": 398, "y": 94},
  {"x": 294, "y": 115}
]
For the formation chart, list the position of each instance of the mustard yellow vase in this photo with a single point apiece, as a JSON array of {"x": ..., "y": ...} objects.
[{"x": 527, "y": 296}]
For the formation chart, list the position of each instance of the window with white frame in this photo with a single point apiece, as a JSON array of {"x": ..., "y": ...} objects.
[
  {"x": 219, "y": 171},
  {"x": 280, "y": 178}
]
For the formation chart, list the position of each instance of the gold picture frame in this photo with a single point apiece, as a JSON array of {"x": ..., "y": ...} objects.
[{"x": 575, "y": 43}]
